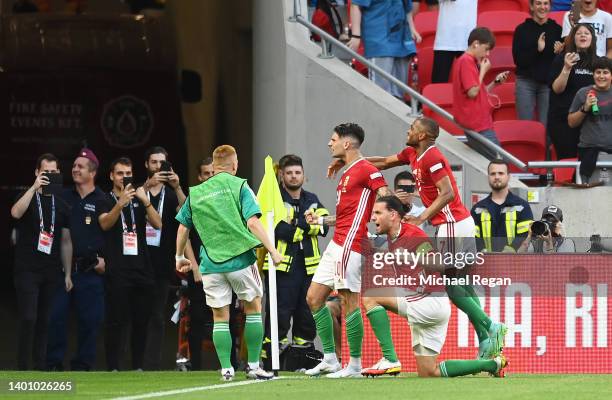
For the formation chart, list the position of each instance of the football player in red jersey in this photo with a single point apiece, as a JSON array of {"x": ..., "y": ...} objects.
[
  {"x": 340, "y": 266},
  {"x": 455, "y": 226}
]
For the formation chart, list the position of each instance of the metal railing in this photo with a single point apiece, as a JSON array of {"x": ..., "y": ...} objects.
[
  {"x": 549, "y": 165},
  {"x": 327, "y": 39}
]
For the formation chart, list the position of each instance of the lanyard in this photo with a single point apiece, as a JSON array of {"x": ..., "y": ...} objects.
[
  {"x": 125, "y": 227},
  {"x": 40, "y": 214},
  {"x": 160, "y": 205}
]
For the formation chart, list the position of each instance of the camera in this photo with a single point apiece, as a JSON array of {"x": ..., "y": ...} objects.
[
  {"x": 543, "y": 226},
  {"x": 165, "y": 166},
  {"x": 127, "y": 180},
  {"x": 406, "y": 188}
]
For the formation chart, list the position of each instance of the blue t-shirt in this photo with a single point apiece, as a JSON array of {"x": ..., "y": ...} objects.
[
  {"x": 249, "y": 208},
  {"x": 561, "y": 5},
  {"x": 384, "y": 29}
]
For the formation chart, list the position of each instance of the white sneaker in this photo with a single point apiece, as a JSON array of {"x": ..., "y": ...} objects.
[
  {"x": 227, "y": 374},
  {"x": 258, "y": 373},
  {"x": 324, "y": 367},
  {"x": 347, "y": 372},
  {"x": 382, "y": 367}
]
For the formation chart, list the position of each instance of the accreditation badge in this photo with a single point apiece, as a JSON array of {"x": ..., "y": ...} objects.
[
  {"x": 130, "y": 244},
  {"x": 88, "y": 220},
  {"x": 45, "y": 242},
  {"x": 153, "y": 236}
]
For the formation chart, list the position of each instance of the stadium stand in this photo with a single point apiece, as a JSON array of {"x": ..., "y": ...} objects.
[
  {"x": 425, "y": 62},
  {"x": 507, "y": 102},
  {"x": 501, "y": 60},
  {"x": 503, "y": 5},
  {"x": 564, "y": 174},
  {"x": 426, "y": 23},
  {"x": 502, "y": 23},
  {"x": 525, "y": 139},
  {"x": 442, "y": 95},
  {"x": 557, "y": 16}
]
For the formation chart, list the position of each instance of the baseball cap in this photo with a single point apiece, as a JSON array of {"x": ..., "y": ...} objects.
[
  {"x": 88, "y": 154},
  {"x": 554, "y": 211}
]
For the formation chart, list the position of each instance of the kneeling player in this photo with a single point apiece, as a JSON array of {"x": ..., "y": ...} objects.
[{"x": 426, "y": 310}]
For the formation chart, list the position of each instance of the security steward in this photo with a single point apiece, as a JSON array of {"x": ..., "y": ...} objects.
[
  {"x": 298, "y": 243},
  {"x": 502, "y": 218}
]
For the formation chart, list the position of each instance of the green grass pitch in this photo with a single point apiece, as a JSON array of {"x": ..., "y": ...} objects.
[{"x": 197, "y": 385}]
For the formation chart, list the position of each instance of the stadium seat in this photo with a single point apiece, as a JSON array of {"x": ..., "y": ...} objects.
[
  {"x": 557, "y": 16},
  {"x": 526, "y": 140},
  {"x": 501, "y": 60},
  {"x": 503, "y": 5},
  {"x": 566, "y": 174},
  {"x": 425, "y": 23},
  {"x": 502, "y": 23},
  {"x": 442, "y": 95},
  {"x": 507, "y": 102},
  {"x": 425, "y": 63}
]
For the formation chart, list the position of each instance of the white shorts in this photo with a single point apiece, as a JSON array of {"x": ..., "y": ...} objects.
[
  {"x": 335, "y": 273},
  {"x": 457, "y": 238},
  {"x": 246, "y": 283},
  {"x": 428, "y": 319}
]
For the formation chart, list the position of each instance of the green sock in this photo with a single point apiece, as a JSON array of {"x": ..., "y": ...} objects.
[
  {"x": 354, "y": 333},
  {"x": 464, "y": 301},
  {"x": 452, "y": 368},
  {"x": 253, "y": 336},
  {"x": 325, "y": 329},
  {"x": 223, "y": 343},
  {"x": 382, "y": 329}
]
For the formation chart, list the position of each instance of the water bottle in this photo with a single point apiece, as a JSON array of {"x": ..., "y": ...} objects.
[
  {"x": 414, "y": 74},
  {"x": 594, "y": 107}
]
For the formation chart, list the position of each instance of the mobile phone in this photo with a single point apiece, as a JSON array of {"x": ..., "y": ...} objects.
[
  {"x": 55, "y": 183},
  {"x": 406, "y": 188},
  {"x": 127, "y": 180},
  {"x": 165, "y": 166}
]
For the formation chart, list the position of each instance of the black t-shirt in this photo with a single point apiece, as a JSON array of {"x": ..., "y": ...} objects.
[
  {"x": 87, "y": 236},
  {"x": 125, "y": 270},
  {"x": 162, "y": 257},
  {"x": 579, "y": 77},
  {"x": 27, "y": 256}
]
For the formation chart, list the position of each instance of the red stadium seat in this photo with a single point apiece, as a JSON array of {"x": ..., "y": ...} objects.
[
  {"x": 501, "y": 60},
  {"x": 500, "y": 5},
  {"x": 442, "y": 95},
  {"x": 566, "y": 174},
  {"x": 503, "y": 24},
  {"x": 524, "y": 139},
  {"x": 425, "y": 63},
  {"x": 507, "y": 102},
  {"x": 557, "y": 16},
  {"x": 425, "y": 23}
]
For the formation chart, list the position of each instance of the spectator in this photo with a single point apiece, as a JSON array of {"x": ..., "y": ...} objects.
[
  {"x": 404, "y": 187},
  {"x": 569, "y": 72},
  {"x": 535, "y": 43},
  {"x": 130, "y": 277},
  {"x": 388, "y": 38},
  {"x": 43, "y": 247},
  {"x": 164, "y": 192},
  {"x": 297, "y": 242},
  {"x": 595, "y": 123},
  {"x": 548, "y": 234},
  {"x": 88, "y": 268},
  {"x": 601, "y": 22},
  {"x": 205, "y": 169},
  {"x": 502, "y": 218},
  {"x": 432, "y": 5},
  {"x": 456, "y": 19},
  {"x": 471, "y": 103}
]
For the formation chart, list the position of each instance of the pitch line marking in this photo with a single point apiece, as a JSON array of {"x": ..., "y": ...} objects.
[{"x": 196, "y": 389}]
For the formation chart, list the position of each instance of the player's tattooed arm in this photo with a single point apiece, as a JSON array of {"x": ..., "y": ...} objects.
[
  {"x": 314, "y": 219},
  {"x": 384, "y": 191}
]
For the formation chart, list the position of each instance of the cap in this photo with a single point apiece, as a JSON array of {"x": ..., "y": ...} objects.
[
  {"x": 88, "y": 154},
  {"x": 554, "y": 211}
]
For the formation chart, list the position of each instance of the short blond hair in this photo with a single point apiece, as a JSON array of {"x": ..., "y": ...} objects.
[{"x": 223, "y": 156}]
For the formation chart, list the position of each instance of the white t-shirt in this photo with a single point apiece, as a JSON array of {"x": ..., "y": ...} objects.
[
  {"x": 602, "y": 24},
  {"x": 456, "y": 19}
]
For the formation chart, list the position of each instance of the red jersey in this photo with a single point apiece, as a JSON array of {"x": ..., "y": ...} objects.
[
  {"x": 355, "y": 198},
  {"x": 428, "y": 169},
  {"x": 476, "y": 113},
  {"x": 415, "y": 240}
]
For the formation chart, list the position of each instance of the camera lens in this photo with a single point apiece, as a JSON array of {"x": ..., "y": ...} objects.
[{"x": 539, "y": 228}]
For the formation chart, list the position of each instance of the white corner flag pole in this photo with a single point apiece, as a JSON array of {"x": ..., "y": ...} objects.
[{"x": 272, "y": 296}]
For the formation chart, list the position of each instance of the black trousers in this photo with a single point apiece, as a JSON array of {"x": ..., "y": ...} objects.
[
  {"x": 564, "y": 138},
  {"x": 442, "y": 65},
  {"x": 35, "y": 292},
  {"x": 292, "y": 287},
  {"x": 157, "y": 324},
  {"x": 127, "y": 305}
]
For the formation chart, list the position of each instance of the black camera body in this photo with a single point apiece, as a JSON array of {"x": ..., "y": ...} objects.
[{"x": 544, "y": 226}]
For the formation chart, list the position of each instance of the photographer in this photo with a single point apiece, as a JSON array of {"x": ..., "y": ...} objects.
[
  {"x": 130, "y": 277},
  {"x": 43, "y": 246},
  {"x": 87, "y": 271},
  {"x": 546, "y": 235}
]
